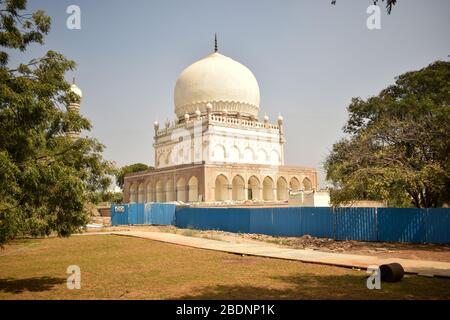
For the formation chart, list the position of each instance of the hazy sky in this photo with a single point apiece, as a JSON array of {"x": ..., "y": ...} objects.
[{"x": 310, "y": 59}]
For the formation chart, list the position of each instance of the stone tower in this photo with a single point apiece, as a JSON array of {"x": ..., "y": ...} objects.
[{"x": 75, "y": 108}]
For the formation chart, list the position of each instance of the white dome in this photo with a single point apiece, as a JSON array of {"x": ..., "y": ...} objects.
[
  {"x": 74, "y": 88},
  {"x": 218, "y": 80}
]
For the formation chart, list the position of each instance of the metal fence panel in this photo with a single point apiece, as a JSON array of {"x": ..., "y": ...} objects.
[
  {"x": 261, "y": 220},
  {"x": 356, "y": 224},
  {"x": 226, "y": 219},
  {"x": 285, "y": 222},
  {"x": 316, "y": 222},
  {"x": 437, "y": 225},
  {"x": 161, "y": 214},
  {"x": 238, "y": 220},
  {"x": 119, "y": 214},
  {"x": 368, "y": 224},
  {"x": 401, "y": 224},
  {"x": 140, "y": 213}
]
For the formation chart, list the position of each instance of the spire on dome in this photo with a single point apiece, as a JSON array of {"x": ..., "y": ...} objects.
[
  {"x": 74, "y": 88},
  {"x": 215, "y": 43}
]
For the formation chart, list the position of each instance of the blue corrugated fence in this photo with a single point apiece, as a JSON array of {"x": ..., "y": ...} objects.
[
  {"x": 367, "y": 224},
  {"x": 140, "y": 213}
]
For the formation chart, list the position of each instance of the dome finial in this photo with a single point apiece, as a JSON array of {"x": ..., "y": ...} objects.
[{"x": 215, "y": 43}]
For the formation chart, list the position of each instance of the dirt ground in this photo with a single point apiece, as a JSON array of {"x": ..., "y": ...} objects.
[{"x": 432, "y": 252}]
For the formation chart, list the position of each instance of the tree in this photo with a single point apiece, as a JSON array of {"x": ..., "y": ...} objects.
[
  {"x": 398, "y": 143},
  {"x": 135, "y": 167},
  {"x": 389, "y": 4},
  {"x": 46, "y": 178}
]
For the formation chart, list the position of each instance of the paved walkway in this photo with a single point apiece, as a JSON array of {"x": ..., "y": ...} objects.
[{"x": 421, "y": 267}]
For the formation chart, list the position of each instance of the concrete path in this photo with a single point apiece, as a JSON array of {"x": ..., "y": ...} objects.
[{"x": 421, "y": 267}]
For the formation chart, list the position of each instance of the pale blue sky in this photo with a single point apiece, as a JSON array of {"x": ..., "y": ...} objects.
[{"x": 310, "y": 59}]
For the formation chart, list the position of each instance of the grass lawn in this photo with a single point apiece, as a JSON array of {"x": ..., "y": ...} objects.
[{"x": 114, "y": 267}]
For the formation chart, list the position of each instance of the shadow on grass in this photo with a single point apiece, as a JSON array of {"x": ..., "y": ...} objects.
[
  {"x": 310, "y": 286},
  {"x": 306, "y": 286},
  {"x": 36, "y": 284}
]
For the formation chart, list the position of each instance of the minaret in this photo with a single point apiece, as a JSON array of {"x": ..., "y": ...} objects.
[{"x": 75, "y": 108}]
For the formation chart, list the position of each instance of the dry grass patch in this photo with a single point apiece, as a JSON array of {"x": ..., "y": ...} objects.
[{"x": 114, "y": 267}]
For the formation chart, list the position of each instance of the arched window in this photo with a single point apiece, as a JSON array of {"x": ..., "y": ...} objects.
[
  {"x": 253, "y": 188},
  {"x": 219, "y": 153},
  {"x": 238, "y": 188},
  {"x": 133, "y": 193},
  {"x": 282, "y": 189},
  {"x": 141, "y": 193},
  {"x": 274, "y": 157},
  {"x": 268, "y": 189},
  {"x": 221, "y": 188},
  {"x": 193, "y": 189},
  {"x": 234, "y": 155},
  {"x": 169, "y": 158},
  {"x": 181, "y": 190},
  {"x": 180, "y": 157},
  {"x": 160, "y": 160},
  {"x": 262, "y": 156},
  {"x": 170, "y": 192},
  {"x": 249, "y": 156},
  {"x": 149, "y": 192},
  {"x": 160, "y": 192},
  {"x": 294, "y": 185},
  {"x": 307, "y": 185}
]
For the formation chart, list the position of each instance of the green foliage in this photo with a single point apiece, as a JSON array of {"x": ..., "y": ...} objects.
[
  {"x": 46, "y": 178},
  {"x": 108, "y": 196},
  {"x": 135, "y": 167},
  {"x": 398, "y": 143}
]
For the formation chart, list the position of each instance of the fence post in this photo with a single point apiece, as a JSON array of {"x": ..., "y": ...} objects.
[
  {"x": 376, "y": 223},
  {"x": 334, "y": 214}
]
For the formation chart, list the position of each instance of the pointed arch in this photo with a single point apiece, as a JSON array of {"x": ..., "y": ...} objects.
[
  {"x": 168, "y": 158},
  {"x": 219, "y": 153},
  {"x": 274, "y": 157},
  {"x": 141, "y": 193},
  {"x": 170, "y": 192},
  {"x": 254, "y": 188},
  {"x": 268, "y": 189},
  {"x": 238, "y": 188},
  {"x": 262, "y": 156},
  {"x": 133, "y": 192},
  {"x": 160, "y": 160},
  {"x": 282, "y": 189},
  {"x": 160, "y": 192},
  {"x": 234, "y": 155},
  {"x": 248, "y": 155},
  {"x": 221, "y": 188},
  {"x": 149, "y": 190},
  {"x": 307, "y": 184},
  {"x": 294, "y": 185},
  {"x": 181, "y": 190},
  {"x": 193, "y": 189}
]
